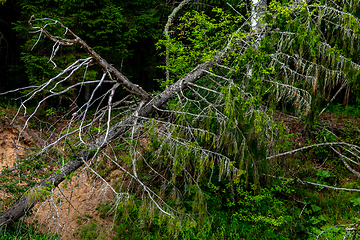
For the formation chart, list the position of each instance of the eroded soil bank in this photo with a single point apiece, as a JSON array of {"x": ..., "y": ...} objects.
[{"x": 70, "y": 206}]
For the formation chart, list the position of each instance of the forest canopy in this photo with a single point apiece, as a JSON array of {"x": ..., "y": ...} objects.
[{"x": 222, "y": 120}]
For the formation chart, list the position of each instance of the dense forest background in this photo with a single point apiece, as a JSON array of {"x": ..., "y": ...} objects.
[
  {"x": 263, "y": 145},
  {"x": 124, "y": 33}
]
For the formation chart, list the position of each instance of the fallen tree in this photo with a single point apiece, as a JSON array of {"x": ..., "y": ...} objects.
[
  {"x": 145, "y": 108},
  {"x": 222, "y": 117}
]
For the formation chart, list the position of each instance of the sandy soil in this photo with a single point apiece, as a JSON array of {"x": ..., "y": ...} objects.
[
  {"x": 57, "y": 214},
  {"x": 7, "y": 151},
  {"x": 74, "y": 206}
]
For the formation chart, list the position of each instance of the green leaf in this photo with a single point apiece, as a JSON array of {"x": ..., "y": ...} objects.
[
  {"x": 323, "y": 173},
  {"x": 315, "y": 208}
]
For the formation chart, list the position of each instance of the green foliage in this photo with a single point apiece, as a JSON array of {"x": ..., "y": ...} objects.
[
  {"x": 234, "y": 213},
  {"x": 197, "y": 38},
  {"x": 25, "y": 232},
  {"x": 40, "y": 194},
  {"x": 29, "y": 173},
  {"x": 252, "y": 213},
  {"x": 100, "y": 22},
  {"x": 91, "y": 231},
  {"x": 134, "y": 221},
  {"x": 115, "y": 30},
  {"x": 244, "y": 131},
  {"x": 339, "y": 108}
]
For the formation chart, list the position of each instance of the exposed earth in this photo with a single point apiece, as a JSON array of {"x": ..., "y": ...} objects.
[{"x": 69, "y": 208}]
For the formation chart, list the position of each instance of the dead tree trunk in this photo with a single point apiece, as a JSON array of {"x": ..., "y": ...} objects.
[{"x": 147, "y": 105}]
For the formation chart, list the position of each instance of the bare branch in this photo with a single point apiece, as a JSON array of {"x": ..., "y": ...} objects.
[
  {"x": 107, "y": 68},
  {"x": 312, "y": 146},
  {"x": 166, "y": 31}
]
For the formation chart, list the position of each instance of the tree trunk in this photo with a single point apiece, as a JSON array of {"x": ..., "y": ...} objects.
[{"x": 257, "y": 23}]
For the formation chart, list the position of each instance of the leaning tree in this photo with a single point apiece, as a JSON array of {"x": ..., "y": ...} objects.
[{"x": 227, "y": 73}]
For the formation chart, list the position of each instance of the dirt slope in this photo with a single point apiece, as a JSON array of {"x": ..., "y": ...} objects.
[{"x": 84, "y": 192}]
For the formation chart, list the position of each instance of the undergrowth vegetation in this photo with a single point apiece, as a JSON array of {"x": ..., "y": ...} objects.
[
  {"x": 281, "y": 208},
  {"x": 237, "y": 207},
  {"x": 22, "y": 231}
]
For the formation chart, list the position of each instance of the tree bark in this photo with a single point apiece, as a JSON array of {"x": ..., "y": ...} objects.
[{"x": 28, "y": 201}]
